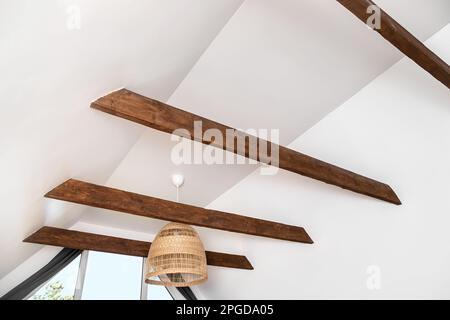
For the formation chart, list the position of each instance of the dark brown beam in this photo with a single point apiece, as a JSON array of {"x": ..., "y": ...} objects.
[
  {"x": 96, "y": 242},
  {"x": 137, "y": 204},
  {"x": 403, "y": 40},
  {"x": 160, "y": 116}
]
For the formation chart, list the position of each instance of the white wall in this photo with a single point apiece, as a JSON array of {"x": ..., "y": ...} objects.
[
  {"x": 286, "y": 64},
  {"x": 397, "y": 130},
  {"x": 50, "y": 74},
  {"x": 275, "y": 65},
  {"x": 228, "y": 84},
  {"x": 392, "y": 130},
  {"x": 147, "y": 169}
]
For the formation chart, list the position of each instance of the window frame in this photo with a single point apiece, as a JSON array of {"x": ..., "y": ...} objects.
[{"x": 81, "y": 276}]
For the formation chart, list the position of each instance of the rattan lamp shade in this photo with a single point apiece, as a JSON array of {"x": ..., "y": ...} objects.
[{"x": 176, "y": 257}]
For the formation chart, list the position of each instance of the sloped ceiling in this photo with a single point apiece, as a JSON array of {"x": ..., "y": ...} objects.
[
  {"x": 276, "y": 64},
  {"x": 396, "y": 128},
  {"x": 50, "y": 73}
]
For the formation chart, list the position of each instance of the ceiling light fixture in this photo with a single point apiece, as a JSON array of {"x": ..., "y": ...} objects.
[{"x": 176, "y": 257}]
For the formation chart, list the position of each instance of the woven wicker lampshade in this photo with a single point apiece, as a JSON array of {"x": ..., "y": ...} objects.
[{"x": 176, "y": 257}]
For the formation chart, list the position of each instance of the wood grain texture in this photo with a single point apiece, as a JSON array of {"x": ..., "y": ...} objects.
[
  {"x": 89, "y": 241},
  {"x": 403, "y": 40},
  {"x": 137, "y": 204},
  {"x": 160, "y": 116}
]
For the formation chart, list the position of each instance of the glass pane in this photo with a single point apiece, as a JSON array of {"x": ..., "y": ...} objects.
[
  {"x": 61, "y": 286},
  {"x": 112, "y": 277},
  {"x": 158, "y": 293}
]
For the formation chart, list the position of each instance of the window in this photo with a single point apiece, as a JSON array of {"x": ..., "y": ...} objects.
[
  {"x": 158, "y": 293},
  {"x": 101, "y": 276},
  {"x": 112, "y": 277},
  {"x": 61, "y": 286}
]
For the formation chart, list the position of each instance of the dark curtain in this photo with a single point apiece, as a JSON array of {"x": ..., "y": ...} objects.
[
  {"x": 62, "y": 259},
  {"x": 187, "y": 293}
]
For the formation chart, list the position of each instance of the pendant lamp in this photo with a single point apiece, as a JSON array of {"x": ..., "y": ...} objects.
[{"x": 176, "y": 257}]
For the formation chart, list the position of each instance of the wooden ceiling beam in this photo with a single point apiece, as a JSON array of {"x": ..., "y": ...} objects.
[
  {"x": 123, "y": 201},
  {"x": 403, "y": 40},
  {"x": 95, "y": 242},
  {"x": 160, "y": 116}
]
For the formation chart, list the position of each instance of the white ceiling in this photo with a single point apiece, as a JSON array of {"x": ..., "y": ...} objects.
[
  {"x": 396, "y": 129},
  {"x": 276, "y": 64},
  {"x": 51, "y": 73},
  {"x": 283, "y": 64},
  {"x": 286, "y": 64}
]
